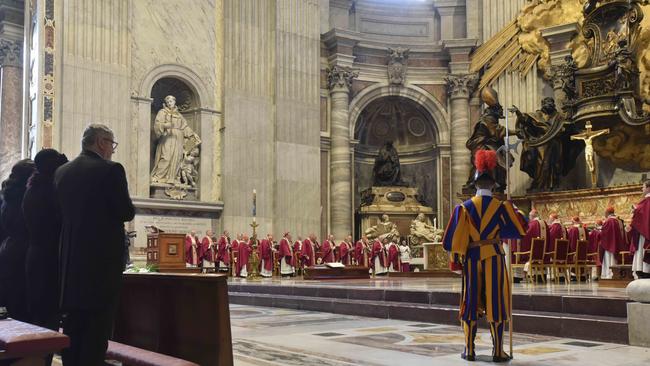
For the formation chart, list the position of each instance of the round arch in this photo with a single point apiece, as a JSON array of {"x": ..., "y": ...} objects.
[
  {"x": 180, "y": 72},
  {"x": 417, "y": 94}
]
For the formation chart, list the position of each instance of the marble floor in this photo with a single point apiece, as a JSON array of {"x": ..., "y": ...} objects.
[
  {"x": 443, "y": 284},
  {"x": 274, "y": 337}
]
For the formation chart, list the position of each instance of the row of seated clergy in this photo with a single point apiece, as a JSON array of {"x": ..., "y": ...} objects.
[
  {"x": 609, "y": 243},
  {"x": 381, "y": 258}
]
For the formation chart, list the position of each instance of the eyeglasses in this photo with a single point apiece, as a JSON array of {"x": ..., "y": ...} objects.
[{"x": 113, "y": 143}]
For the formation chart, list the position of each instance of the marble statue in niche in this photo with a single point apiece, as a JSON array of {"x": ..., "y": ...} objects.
[
  {"x": 175, "y": 164},
  {"x": 387, "y": 170}
]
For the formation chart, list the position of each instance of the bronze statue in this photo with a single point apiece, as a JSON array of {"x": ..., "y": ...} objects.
[
  {"x": 488, "y": 135},
  {"x": 548, "y": 152},
  {"x": 387, "y": 171}
]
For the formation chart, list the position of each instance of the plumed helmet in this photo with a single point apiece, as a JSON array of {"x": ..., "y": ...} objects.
[{"x": 485, "y": 161}]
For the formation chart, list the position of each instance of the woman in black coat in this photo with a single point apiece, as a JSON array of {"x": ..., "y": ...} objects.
[
  {"x": 14, "y": 247},
  {"x": 43, "y": 219}
]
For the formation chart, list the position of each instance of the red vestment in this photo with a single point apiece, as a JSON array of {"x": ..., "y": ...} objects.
[
  {"x": 244, "y": 250},
  {"x": 285, "y": 251},
  {"x": 192, "y": 250},
  {"x": 378, "y": 250},
  {"x": 296, "y": 246},
  {"x": 208, "y": 249},
  {"x": 537, "y": 228},
  {"x": 344, "y": 252},
  {"x": 361, "y": 253},
  {"x": 328, "y": 252},
  {"x": 612, "y": 236},
  {"x": 307, "y": 253},
  {"x": 222, "y": 250},
  {"x": 641, "y": 225},
  {"x": 594, "y": 246},
  {"x": 394, "y": 257},
  {"x": 266, "y": 254},
  {"x": 555, "y": 231},
  {"x": 574, "y": 234}
]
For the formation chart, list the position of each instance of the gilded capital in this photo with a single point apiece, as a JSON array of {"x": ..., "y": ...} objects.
[
  {"x": 340, "y": 77},
  {"x": 461, "y": 86},
  {"x": 11, "y": 53}
]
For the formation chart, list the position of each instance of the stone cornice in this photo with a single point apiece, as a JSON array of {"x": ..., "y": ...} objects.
[{"x": 345, "y": 37}]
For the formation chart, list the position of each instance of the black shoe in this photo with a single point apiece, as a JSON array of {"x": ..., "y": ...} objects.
[
  {"x": 641, "y": 274},
  {"x": 468, "y": 357},
  {"x": 499, "y": 359}
]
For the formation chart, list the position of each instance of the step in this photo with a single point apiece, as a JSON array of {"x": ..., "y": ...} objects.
[
  {"x": 569, "y": 304},
  {"x": 565, "y": 325}
]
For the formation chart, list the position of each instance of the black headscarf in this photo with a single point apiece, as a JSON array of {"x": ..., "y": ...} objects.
[
  {"x": 46, "y": 161},
  {"x": 15, "y": 186}
]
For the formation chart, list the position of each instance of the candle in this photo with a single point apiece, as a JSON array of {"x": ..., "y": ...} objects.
[
  {"x": 254, "y": 203},
  {"x": 435, "y": 222}
]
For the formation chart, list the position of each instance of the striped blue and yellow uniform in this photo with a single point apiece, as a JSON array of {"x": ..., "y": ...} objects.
[{"x": 473, "y": 239}]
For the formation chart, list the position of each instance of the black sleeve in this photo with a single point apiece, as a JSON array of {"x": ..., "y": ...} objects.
[{"x": 118, "y": 194}]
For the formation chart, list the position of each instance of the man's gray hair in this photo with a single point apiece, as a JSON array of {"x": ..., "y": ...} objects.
[{"x": 94, "y": 131}]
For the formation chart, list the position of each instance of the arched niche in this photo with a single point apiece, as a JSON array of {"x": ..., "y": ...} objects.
[
  {"x": 412, "y": 130},
  {"x": 193, "y": 99}
]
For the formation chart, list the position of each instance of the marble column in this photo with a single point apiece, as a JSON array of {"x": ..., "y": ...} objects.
[
  {"x": 339, "y": 81},
  {"x": 11, "y": 105},
  {"x": 460, "y": 88}
]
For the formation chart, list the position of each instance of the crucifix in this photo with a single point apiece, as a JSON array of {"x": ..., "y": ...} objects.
[{"x": 587, "y": 136}]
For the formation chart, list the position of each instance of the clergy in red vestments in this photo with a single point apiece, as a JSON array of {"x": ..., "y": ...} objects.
[
  {"x": 394, "y": 264},
  {"x": 405, "y": 256},
  {"x": 362, "y": 252},
  {"x": 297, "y": 245},
  {"x": 286, "y": 256},
  {"x": 594, "y": 242},
  {"x": 345, "y": 251},
  {"x": 192, "y": 250},
  {"x": 576, "y": 232},
  {"x": 208, "y": 250},
  {"x": 555, "y": 231},
  {"x": 266, "y": 256},
  {"x": 641, "y": 234},
  {"x": 537, "y": 228},
  {"x": 612, "y": 240},
  {"x": 328, "y": 250},
  {"x": 244, "y": 250},
  {"x": 307, "y": 252},
  {"x": 223, "y": 256},
  {"x": 378, "y": 260}
]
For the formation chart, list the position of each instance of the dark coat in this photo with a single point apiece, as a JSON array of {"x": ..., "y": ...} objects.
[
  {"x": 94, "y": 200},
  {"x": 43, "y": 219},
  {"x": 13, "y": 251}
]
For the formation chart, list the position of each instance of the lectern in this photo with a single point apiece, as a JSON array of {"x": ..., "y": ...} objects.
[{"x": 165, "y": 250}]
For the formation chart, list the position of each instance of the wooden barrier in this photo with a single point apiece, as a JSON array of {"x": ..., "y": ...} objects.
[
  {"x": 28, "y": 343},
  {"x": 132, "y": 356},
  {"x": 180, "y": 315}
]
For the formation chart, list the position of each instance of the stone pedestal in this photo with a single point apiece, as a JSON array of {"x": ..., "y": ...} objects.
[
  {"x": 638, "y": 313},
  {"x": 399, "y": 203}
]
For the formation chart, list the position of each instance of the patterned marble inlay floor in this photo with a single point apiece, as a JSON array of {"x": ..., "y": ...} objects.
[{"x": 274, "y": 337}]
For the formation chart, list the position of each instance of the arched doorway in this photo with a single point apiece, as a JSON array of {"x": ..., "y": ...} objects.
[{"x": 413, "y": 132}]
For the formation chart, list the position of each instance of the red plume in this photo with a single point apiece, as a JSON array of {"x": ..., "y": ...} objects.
[{"x": 485, "y": 160}]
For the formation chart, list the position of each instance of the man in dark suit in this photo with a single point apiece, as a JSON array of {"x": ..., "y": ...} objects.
[{"x": 94, "y": 199}]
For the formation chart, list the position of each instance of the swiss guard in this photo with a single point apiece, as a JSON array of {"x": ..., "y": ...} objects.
[{"x": 473, "y": 238}]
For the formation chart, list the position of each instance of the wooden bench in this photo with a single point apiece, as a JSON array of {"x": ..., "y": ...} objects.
[
  {"x": 132, "y": 356},
  {"x": 28, "y": 342}
]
